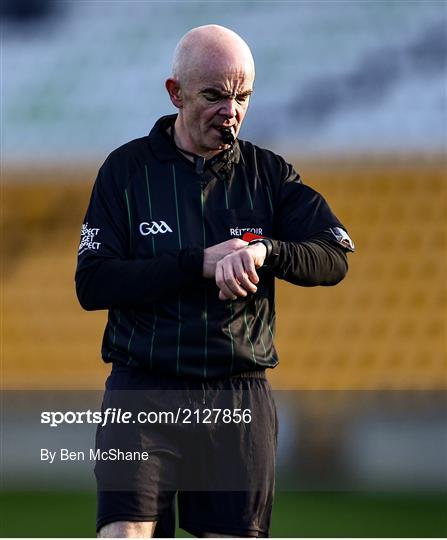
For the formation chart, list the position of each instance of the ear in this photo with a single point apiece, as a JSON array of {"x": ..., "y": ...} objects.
[{"x": 175, "y": 92}]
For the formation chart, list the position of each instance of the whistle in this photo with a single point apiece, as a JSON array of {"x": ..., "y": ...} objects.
[{"x": 227, "y": 135}]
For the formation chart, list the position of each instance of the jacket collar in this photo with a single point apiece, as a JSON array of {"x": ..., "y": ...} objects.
[{"x": 165, "y": 150}]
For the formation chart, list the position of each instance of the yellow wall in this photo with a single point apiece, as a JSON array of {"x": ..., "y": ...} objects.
[{"x": 384, "y": 327}]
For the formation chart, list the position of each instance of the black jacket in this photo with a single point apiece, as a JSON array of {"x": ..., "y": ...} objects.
[{"x": 150, "y": 216}]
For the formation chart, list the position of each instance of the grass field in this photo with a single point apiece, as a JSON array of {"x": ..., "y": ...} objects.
[
  {"x": 384, "y": 328},
  {"x": 316, "y": 514}
]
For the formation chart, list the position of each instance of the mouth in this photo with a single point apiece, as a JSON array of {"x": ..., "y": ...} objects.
[
  {"x": 220, "y": 127},
  {"x": 226, "y": 133}
]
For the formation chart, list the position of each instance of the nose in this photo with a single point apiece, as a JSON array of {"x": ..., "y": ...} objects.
[{"x": 228, "y": 108}]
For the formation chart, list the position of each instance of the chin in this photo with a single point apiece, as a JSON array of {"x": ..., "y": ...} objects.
[
  {"x": 214, "y": 143},
  {"x": 215, "y": 138}
]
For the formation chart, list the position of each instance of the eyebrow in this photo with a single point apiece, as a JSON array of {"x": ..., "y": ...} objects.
[{"x": 218, "y": 92}]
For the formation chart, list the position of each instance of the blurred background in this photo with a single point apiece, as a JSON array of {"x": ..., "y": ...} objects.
[{"x": 354, "y": 95}]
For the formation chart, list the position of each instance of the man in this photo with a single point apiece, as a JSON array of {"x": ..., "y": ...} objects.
[{"x": 185, "y": 233}]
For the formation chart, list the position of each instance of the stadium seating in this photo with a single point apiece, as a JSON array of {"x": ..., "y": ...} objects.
[{"x": 382, "y": 328}]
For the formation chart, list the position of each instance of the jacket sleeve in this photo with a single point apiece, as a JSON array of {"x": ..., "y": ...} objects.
[
  {"x": 106, "y": 275},
  {"x": 317, "y": 261},
  {"x": 310, "y": 244}
]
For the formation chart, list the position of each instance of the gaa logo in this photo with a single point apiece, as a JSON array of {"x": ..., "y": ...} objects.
[{"x": 154, "y": 227}]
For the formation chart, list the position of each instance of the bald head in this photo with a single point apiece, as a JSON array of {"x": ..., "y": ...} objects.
[
  {"x": 208, "y": 48},
  {"x": 211, "y": 84}
]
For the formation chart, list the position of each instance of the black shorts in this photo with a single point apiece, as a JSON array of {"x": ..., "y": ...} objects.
[{"x": 221, "y": 464}]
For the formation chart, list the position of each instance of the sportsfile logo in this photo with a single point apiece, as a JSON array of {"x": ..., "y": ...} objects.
[
  {"x": 155, "y": 227},
  {"x": 87, "y": 237}
]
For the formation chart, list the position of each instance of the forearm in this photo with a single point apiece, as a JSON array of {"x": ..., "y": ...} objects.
[
  {"x": 318, "y": 261},
  {"x": 115, "y": 283}
]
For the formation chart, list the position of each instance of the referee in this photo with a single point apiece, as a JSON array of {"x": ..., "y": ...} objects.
[{"x": 186, "y": 231}]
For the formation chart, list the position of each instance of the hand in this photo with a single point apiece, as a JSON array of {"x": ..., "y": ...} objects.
[
  {"x": 212, "y": 255},
  {"x": 236, "y": 273}
]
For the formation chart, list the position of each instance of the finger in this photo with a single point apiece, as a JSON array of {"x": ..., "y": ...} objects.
[
  {"x": 223, "y": 297},
  {"x": 227, "y": 292},
  {"x": 250, "y": 268},
  {"x": 222, "y": 284},
  {"x": 230, "y": 280},
  {"x": 243, "y": 278}
]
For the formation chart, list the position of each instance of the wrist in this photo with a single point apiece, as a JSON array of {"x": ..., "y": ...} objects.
[{"x": 267, "y": 247}]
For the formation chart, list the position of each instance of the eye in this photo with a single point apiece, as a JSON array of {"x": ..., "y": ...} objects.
[
  {"x": 212, "y": 97},
  {"x": 242, "y": 98}
]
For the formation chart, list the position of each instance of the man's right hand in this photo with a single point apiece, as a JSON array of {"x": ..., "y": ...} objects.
[{"x": 212, "y": 255}]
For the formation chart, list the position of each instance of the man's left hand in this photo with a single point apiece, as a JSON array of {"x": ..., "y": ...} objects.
[{"x": 236, "y": 274}]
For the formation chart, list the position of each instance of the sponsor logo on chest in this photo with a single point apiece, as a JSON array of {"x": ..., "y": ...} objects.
[
  {"x": 154, "y": 227},
  {"x": 239, "y": 231}
]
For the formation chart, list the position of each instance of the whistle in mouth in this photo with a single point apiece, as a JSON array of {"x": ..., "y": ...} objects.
[{"x": 227, "y": 135}]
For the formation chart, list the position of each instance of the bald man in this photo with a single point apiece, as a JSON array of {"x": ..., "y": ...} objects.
[{"x": 186, "y": 231}]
